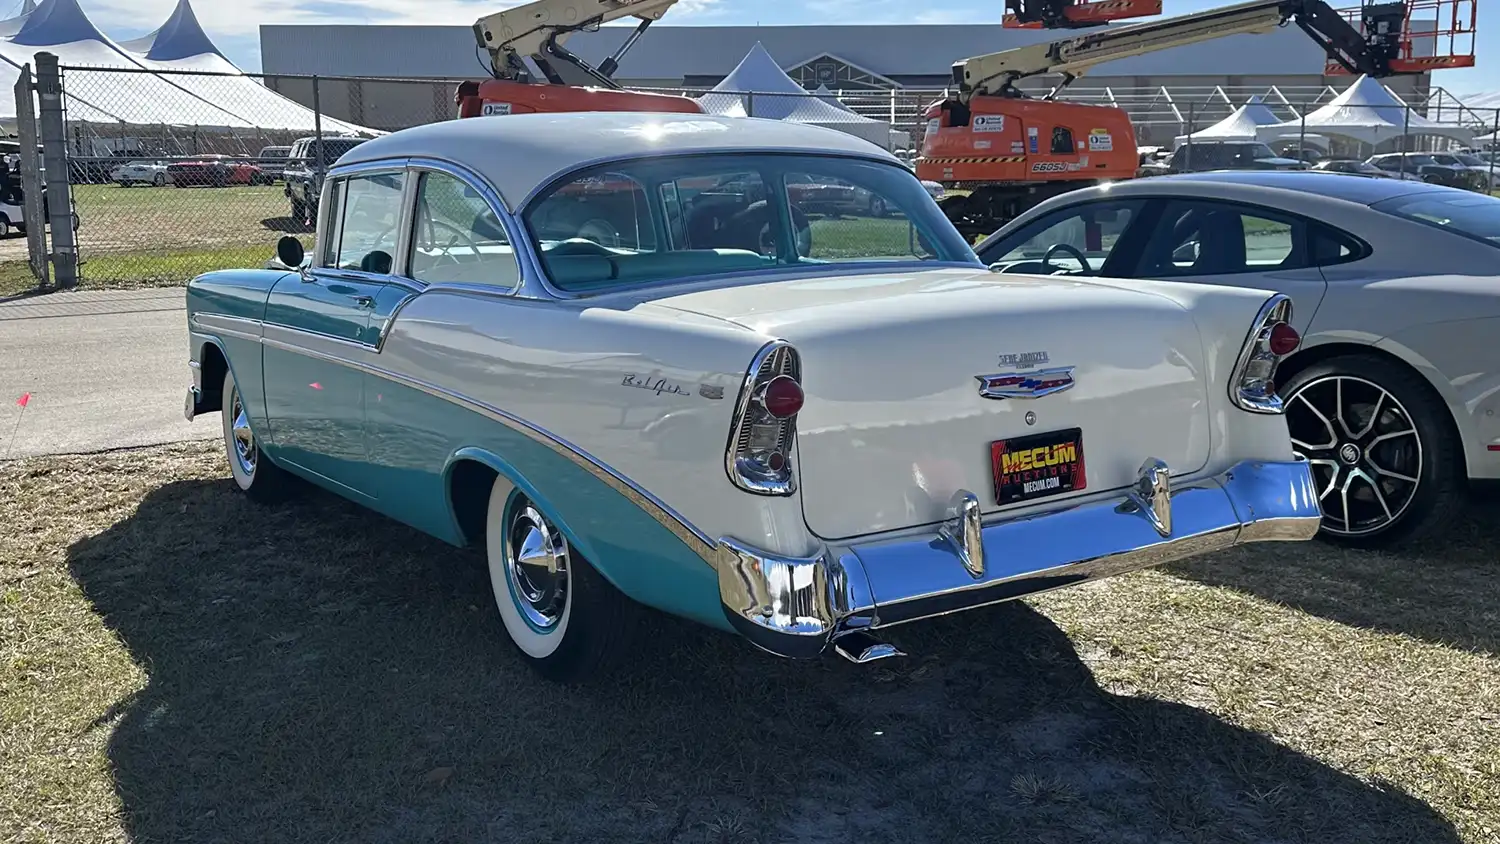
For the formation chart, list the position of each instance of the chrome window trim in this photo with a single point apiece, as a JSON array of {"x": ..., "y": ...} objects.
[
  {"x": 328, "y": 229},
  {"x": 658, "y": 510}
]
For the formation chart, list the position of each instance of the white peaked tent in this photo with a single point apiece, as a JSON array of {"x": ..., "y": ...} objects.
[
  {"x": 1245, "y": 125},
  {"x": 758, "y": 87},
  {"x": 100, "y": 93},
  {"x": 180, "y": 44},
  {"x": 1369, "y": 113}
]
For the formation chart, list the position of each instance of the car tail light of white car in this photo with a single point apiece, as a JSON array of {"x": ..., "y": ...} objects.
[
  {"x": 759, "y": 454},
  {"x": 1271, "y": 339}
]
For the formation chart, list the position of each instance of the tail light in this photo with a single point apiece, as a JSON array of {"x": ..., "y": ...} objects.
[
  {"x": 1271, "y": 338},
  {"x": 759, "y": 454}
]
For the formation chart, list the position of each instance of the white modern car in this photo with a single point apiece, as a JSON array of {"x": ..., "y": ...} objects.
[
  {"x": 1394, "y": 395},
  {"x": 615, "y": 352},
  {"x": 140, "y": 173}
]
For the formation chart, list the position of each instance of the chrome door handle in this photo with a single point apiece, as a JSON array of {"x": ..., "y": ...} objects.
[{"x": 365, "y": 301}]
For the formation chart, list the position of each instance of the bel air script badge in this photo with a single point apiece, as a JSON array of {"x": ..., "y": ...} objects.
[
  {"x": 1026, "y": 385},
  {"x": 1024, "y": 360}
]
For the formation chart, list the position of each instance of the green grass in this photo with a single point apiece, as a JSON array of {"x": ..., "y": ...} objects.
[
  {"x": 180, "y": 664},
  {"x": 842, "y": 238}
]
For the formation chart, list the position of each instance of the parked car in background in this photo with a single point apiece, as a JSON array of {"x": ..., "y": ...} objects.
[
  {"x": 1428, "y": 168},
  {"x": 214, "y": 171},
  {"x": 306, "y": 163},
  {"x": 1203, "y": 157},
  {"x": 1394, "y": 395},
  {"x": 1360, "y": 168},
  {"x": 1481, "y": 168},
  {"x": 140, "y": 173},
  {"x": 555, "y": 338},
  {"x": 272, "y": 162}
]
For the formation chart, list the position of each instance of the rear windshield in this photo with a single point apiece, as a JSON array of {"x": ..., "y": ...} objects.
[
  {"x": 1471, "y": 215},
  {"x": 664, "y": 219}
]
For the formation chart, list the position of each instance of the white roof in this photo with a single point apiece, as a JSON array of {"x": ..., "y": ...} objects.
[
  {"x": 1367, "y": 111},
  {"x": 520, "y": 153}
]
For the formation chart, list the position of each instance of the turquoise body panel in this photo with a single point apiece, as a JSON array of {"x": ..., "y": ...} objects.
[
  {"x": 392, "y": 447},
  {"x": 416, "y": 437}
]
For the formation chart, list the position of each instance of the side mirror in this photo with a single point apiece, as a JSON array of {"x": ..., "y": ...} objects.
[{"x": 289, "y": 251}]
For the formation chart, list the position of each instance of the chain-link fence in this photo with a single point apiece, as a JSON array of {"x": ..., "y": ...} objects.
[{"x": 241, "y": 161}]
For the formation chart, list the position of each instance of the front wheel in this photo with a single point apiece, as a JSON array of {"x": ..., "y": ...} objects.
[
  {"x": 1385, "y": 460},
  {"x": 160, "y": 180},
  {"x": 253, "y": 472},
  {"x": 568, "y": 623}
]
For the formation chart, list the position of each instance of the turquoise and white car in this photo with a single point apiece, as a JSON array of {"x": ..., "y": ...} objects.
[{"x": 611, "y": 351}]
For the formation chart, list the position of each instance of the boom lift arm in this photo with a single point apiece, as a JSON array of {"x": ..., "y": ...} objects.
[
  {"x": 997, "y": 73},
  {"x": 538, "y": 30}
]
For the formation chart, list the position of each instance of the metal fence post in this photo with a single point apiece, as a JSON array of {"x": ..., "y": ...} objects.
[
  {"x": 31, "y": 180},
  {"x": 1302, "y": 132},
  {"x": 49, "y": 88},
  {"x": 1494, "y": 150},
  {"x": 317, "y": 133},
  {"x": 1405, "y": 137},
  {"x": 750, "y": 105},
  {"x": 1192, "y": 130}
]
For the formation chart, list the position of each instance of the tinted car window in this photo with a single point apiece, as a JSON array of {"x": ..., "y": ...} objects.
[
  {"x": 1209, "y": 238},
  {"x": 1092, "y": 230},
  {"x": 1469, "y": 215}
]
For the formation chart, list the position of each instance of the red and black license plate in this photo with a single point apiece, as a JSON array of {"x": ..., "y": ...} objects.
[{"x": 1038, "y": 465}]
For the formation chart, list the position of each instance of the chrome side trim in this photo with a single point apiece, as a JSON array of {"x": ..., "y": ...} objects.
[
  {"x": 1261, "y": 396},
  {"x": 793, "y": 606},
  {"x": 239, "y": 328},
  {"x": 648, "y": 503}
]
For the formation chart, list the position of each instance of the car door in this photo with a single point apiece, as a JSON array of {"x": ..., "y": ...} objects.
[
  {"x": 1211, "y": 241},
  {"x": 319, "y": 331}
]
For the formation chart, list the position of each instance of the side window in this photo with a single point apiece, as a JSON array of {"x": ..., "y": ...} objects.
[
  {"x": 458, "y": 237},
  {"x": 1330, "y": 247},
  {"x": 1062, "y": 141},
  {"x": 1091, "y": 231},
  {"x": 1209, "y": 238},
  {"x": 840, "y": 220},
  {"x": 371, "y": 225}
]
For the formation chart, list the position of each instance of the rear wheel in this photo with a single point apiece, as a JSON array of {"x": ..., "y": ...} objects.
[
  {"x": 1387, "y": 465},
  {"x": 160, "y": 180},
  {"x": 568, "y": 623}
]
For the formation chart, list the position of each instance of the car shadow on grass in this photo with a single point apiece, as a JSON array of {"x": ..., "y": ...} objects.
[
  {"x": 1445, "y": 592},
  {"x": 319, "y": 673}
]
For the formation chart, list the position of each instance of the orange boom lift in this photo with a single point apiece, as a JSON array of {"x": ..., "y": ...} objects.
[
  {"x": 537, "y": 32},
  {"x": 1012, "y": 151}
]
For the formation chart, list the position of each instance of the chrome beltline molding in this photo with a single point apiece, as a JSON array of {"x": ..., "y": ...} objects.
[{"x": 698, "y": 541}]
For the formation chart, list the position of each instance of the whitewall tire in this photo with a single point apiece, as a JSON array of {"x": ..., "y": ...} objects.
[
  {"x": 568, "y": 623},
  {"x": 252, "y": 471}
]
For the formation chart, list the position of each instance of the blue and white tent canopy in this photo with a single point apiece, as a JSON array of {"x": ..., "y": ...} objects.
[{"x": 99, "y": 92}]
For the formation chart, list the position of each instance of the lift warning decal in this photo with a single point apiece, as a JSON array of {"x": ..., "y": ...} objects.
[
  {"x": 1101, "y": 141},
  {"x": 989, "y": 123}
]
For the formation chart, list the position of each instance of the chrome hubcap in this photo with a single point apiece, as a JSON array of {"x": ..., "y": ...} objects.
[
  {"x": 242, "y": 440},
  {"x": 1365, "y": 452},
  {"x": 536, "y": 557}
]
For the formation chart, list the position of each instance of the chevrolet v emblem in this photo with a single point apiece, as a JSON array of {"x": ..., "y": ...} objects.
[{"x": 1026, "y": 385}]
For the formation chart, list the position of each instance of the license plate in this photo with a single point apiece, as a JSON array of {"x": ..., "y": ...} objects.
[{"x": 1038, "y": 465}]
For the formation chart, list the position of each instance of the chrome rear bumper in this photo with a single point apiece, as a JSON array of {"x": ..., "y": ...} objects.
[{"x": 797, "y": 607}]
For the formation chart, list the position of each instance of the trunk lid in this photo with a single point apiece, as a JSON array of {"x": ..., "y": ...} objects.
[{"x": 894, "y": 420}]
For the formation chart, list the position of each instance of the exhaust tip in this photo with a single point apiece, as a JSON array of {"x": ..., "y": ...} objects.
[{"x": 862, "y": 648}]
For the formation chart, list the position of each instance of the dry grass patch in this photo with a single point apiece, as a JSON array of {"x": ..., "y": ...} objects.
[{"x": 177, "y": 664}]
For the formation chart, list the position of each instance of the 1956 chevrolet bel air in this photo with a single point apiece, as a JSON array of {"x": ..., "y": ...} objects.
[{"x": 618, "y": 353}]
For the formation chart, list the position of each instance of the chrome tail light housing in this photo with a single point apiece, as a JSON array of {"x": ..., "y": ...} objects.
[
  {"x": 759, "y": 454},
  {"x": 1252, "y": 387}
]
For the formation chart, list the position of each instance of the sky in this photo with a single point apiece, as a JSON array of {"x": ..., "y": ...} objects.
[{"x": 234, "y": 24}]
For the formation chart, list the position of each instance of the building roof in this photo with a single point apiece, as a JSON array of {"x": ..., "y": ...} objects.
[
  {"x": 674, "y": 52},
  {"x": 551, "y": 145}
]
